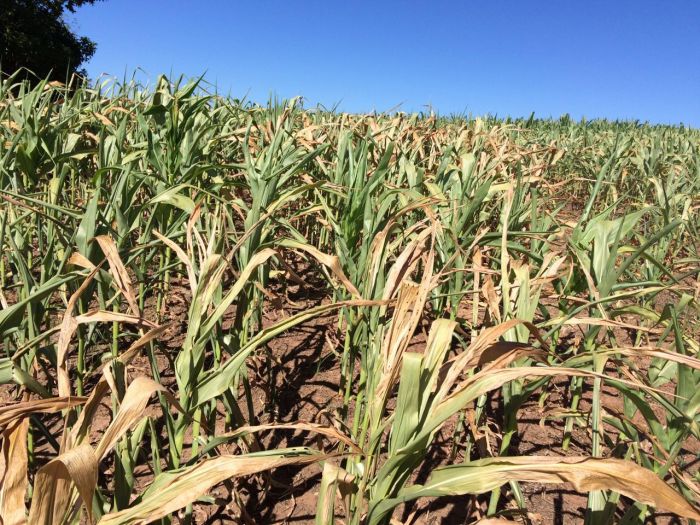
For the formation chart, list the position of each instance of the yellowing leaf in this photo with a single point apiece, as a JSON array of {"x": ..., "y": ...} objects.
[{"x": 174, "y": 490}]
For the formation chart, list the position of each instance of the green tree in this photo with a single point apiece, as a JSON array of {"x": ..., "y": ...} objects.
[{"x": 34, "y": 35}]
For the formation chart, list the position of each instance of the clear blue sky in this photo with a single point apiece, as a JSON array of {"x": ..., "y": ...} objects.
[{"x": 594, "y": 58}]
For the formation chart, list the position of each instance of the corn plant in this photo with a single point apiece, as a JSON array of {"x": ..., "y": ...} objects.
[{"x": 471, "y": 268}]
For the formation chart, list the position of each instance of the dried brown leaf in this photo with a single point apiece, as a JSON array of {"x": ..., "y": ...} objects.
[
  {"x": 53, "y": 483},
  {"x": 14, "y": 481}
]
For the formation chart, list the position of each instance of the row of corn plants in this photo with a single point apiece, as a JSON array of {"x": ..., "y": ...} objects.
[{"x": 471, "y": 268}]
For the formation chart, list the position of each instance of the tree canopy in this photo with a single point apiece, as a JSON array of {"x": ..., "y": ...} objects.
[{"x": 34, "y": 35}]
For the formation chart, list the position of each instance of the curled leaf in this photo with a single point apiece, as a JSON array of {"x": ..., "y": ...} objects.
[
  {"x": 173, "y": 490},
  {"x": 53, "y": 483}
]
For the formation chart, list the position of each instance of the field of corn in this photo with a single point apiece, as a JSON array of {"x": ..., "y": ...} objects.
[{"x": 220, "y": 312}]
